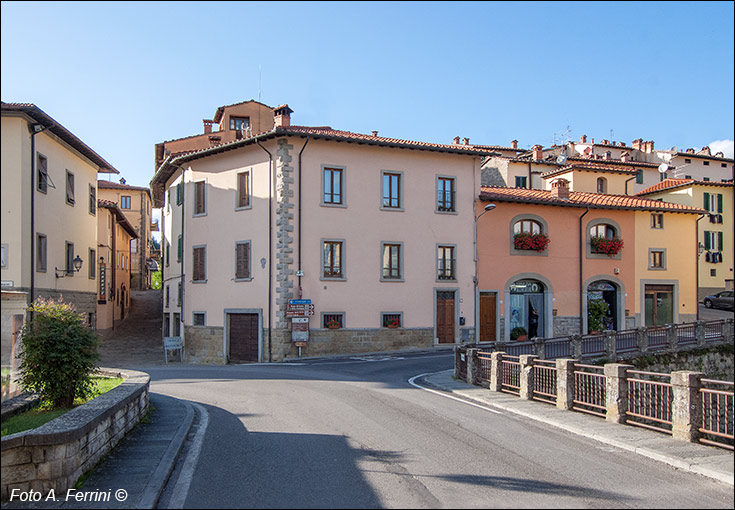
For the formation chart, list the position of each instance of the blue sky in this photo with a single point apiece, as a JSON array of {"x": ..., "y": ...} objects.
[{"x": 123, "y": 76}]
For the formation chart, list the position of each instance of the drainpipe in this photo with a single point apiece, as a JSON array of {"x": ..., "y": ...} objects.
[
  {"x": 183, "y": 250},
  {"x": 34, "y": 128},
  {"x": 696, "y": 243},
  {"x": 299, "y": 273},
  {"x": 270, "y": 240},
  {"x": 114, "y": 265},
  {"x": 626, "y": 183},
  {"x": 581, "y": 276},
  {"x": 530, "y": 185}
]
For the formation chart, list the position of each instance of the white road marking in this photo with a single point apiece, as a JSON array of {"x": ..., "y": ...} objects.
[
  {"x": 181, "y": 489},
  {"x": 412, "y": 383}
]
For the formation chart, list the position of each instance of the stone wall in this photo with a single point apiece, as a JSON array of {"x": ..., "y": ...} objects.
[
  {"x": 84, "y": 302},
  {"x": 56, "y": 454},
  {"x": 204, "y": 345},
  {"x": 715, "y": 362}
]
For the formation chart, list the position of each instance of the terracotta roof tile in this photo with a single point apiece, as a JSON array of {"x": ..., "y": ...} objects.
[
  {"x": 581, "y": 199},
  {"x": 668, "y": 184},
  {"x": 590, "y": 166}
]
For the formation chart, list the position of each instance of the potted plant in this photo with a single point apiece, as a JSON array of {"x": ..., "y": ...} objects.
[
  {"x": 607, "y": 246},
  {"x": 534, "y": 242},
  {"x": 597, "y": 311},
  {"x": 333, "y": 324},
  {"x": 393, "y": 323},
  {"x": 519, "y": 333}
]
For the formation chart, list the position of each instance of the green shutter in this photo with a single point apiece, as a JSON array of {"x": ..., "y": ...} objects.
[
  {"x": 707, "y": 242},
  {"x": 706, "y": 201},
  {"x": 720, "y": 241},
  {"x": 719, "y": 203},
  {"x": 639, "y": 177}
]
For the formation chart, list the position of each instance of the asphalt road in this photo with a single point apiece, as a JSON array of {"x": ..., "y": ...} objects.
[{"x": 353, "y": 433}]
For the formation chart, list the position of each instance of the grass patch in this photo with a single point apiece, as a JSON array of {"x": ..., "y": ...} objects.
[{"x": 43, "y": 413}]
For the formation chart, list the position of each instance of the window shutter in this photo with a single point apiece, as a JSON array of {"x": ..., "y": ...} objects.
[
  {"x": 720, "y": 241},
  {"x": 70, "y": 187},
  {"x": 243, "y": 261},
  {"x": 200, "y": 198},
  {"x": 199, "y": 273},
  {"x": 707, "y": 241},
  {"x": 706, "y": 201},
  {"x": 242, "y": 187},
  {"x": 719, "y": 203}
]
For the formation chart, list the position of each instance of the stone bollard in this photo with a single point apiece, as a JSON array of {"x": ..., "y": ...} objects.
[
  {"x": 610, "y": 345},
  {"x": 457, "y": 360},
  {"x": 526, "y": 369},
  {"x": 686, "y": 409},
  {"x": 728, "y": 330},
  {"x": 643, "y": 339},
  {"x": 473, "y": 366},
  {"x": 575, "y": 346},
  {"x": 539, "y": 347},
  {"x": 672, "y": 338},
  {"x": 496, "y": 371},
  {"x": 616, "y": 391},
  {"x": 565, "y": 383},
  {"x": 700, "y": 333}
]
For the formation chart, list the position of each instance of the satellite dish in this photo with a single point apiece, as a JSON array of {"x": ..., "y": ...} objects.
[
  {"x": 662, "y": 168},
  {"x": 674, "y": 149},
  {"x": 561, "y": 159}
]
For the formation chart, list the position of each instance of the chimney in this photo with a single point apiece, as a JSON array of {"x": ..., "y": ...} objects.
[
  {"x": 583, "y": 139},
  {"x": 606, "y": 142},
  {"x": 282, "y": 116},
  {"x": 375, "y": 133},
  {"x": 637, "y": 144},
  {"x": 537, "y": 152},
  {"x": 649, "y": 146},
  {"x": 690, "y": 151},
  {"x": 207, "y": 126},
  {"x": 719, "y": 155},
  {"x": 705, "y": 151},
  {"x": 592, "y": 141},
  {"x": 624, "y": 157},
  {"x": 465, "y": 141},
  {"x": 560, "y": 189},
  {"x": 456, "y": 140},
  {"x": 514, "y": 144}
]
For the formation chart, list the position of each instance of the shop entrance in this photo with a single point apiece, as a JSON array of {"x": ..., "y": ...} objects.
[
  {"x": 659, "y": 304},
  {"x": 602, "y": 306},
  {"x": 527, "y": 308}
]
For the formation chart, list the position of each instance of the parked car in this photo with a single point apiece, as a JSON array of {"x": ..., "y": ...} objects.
[{"x": 722, "y": 299}]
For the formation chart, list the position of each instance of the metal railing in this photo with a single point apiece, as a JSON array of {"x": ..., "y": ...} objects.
[
  {"x": 511, "y": 375},
  {"x": 589, "y": 390},
  {"x": 593, "y": 346},
  {"x": 557, "y": 348},
  {"x": 544, "y": 381},
  {"x": 657, "y": 337},
  {"x": 649, "y": 401},
  {"x": 686, "y": 333},
  {"x": 626, "y": 341},
  {"x": 717, "y": 414},
  {"x": 713, "y": 330},
  {"x": 485, "y": 365}
]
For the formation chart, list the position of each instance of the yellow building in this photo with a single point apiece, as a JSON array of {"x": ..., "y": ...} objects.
[
  {"x": 714, "y": 242},
  {"x": 49, "y": 213}
]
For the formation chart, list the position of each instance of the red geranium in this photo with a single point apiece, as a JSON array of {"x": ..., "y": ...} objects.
[
  {"x": 607, "y": 246},
  {"x": 535, "y": 242}
]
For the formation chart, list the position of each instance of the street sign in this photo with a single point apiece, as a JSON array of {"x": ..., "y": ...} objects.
[
  {"x": 299, "y": 313},
  {"x": 300, "y": 329},
  {"x": 299, "y": 301}
]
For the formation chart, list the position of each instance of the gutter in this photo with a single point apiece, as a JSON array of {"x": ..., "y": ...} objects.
[
  {"x": 581, "y": 276},
  {"x": 696, "y": 244},
  {"x": 299, "y": 273},
  {"x": 270, "y": 241}
]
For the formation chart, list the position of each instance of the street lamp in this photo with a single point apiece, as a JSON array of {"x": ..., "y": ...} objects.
[
  {"x": 77, "y": 263},
  {"x": 488, "y": 207}
]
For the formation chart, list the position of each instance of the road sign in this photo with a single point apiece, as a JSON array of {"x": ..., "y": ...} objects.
[
  {"x": 299, "y": 313},
  {"x": 299, "y": 301},
  {"x": 299, "y": 329}
]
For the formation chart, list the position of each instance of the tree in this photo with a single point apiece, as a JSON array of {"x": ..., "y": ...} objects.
[{"x": 59, "y": 353}]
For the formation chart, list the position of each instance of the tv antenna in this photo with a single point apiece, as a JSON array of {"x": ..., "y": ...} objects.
[{"x": 563, "y": 136}]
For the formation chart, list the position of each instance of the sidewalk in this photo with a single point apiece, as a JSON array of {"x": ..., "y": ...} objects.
[
  {"x": 140, "y": 465},
  {"x": 705, "y": 460}
]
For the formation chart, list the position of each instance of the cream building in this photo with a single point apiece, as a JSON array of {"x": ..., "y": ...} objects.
[
  {"x": 376, "y": 232},
  {"x": 49, "y": 217}
]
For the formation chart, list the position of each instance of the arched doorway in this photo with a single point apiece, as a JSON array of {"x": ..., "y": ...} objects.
[
  {"x": 602, "y": 306},
  {"x": 527, "y": 308}
]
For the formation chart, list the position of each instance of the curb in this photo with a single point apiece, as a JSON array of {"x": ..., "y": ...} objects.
[{"x": 155, "y": 486}]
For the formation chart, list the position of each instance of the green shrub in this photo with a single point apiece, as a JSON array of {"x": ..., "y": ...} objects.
[
  {"x": 517, "y": 332},
  {"x": 156, "y": 280},
  {"x": 597, "y": 310},
  {"x": 59, "y": 353}
]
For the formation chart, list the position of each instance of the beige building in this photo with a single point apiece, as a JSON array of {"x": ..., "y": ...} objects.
[
  {"x": 135, "y": 203},
  {"x": 49, "y": 216},
  {"x": 376, "y": 232},
  {"x": 714, "y": 242},
  {"x": 114, "y": 264}
]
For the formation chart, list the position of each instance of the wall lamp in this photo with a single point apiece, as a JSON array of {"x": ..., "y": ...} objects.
[{"x": 77, "y": 263}]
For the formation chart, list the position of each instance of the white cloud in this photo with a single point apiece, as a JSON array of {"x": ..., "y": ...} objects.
[{"x": 727, "y": 147}]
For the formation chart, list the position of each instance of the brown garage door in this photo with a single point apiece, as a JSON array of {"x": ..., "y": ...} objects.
[{"x": 243, "y": 337}]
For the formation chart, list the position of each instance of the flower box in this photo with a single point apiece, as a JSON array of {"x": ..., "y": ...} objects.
[
  {"x": 532, "y": 242},
  {"x": 606, "y": 246}
]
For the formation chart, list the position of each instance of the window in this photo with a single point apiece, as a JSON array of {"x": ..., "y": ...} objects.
[
  {"x": 713, "y": 272},
  {"x": 602, "y": 230},
  {"x": 239, "y": 123},
  {"x": 333, "y": 320},
  {"x": 521, "y": 182},
  {"x": 124, "y": 202},
  {"x": 392, "y": 188},
  {"x": 656, "y": 259},
  {"x": 69, "y": 188},
  {"x": 4, "y": 256},
  {"x": 333, "y": 186},
  {"x": 705, "y": 163},
  {"x": 445, "y": 194},
  {"x": 713, "y": 203},
  {"x": 687, "y": 160},
  {"x": 199, "y": 198},
  {"x": 42, "y": 164},
  {"x": 705, "y": 179},
  {"x": 69, "y": 259},
  {"x": 601, "y": 185},
  {"x": 168, "y": 295},
  {"x": 639, "y": 177},
  {"x": 446, "y": 263},
  {"x": 657, "y": 220},
  {"x": 527, "y": 227},
  {"x": 332, "y": 259},
  {"x": 180, "y": 294},
  {"x": 199, "y": 261},
  {"x": 92, "y": 200},
  {"x": 713, "y": 241},
  {"x": 92, "y": 263},
  {"x": 723, "y": 165},
  {"x": 243, "y": 190},
  {"x": 133, "y": 246},
  {"x": 391, "y": 320},
  {"x": 199, "y": 318},
  {"x": 179, "y": 194},
  {"x": 41, "y": 241},
  {"x": 167, "y": 249},
  {"x": 392, "y": 258},
  {"x": 166, "y": 324},
  {"x": 179, "y": 248},
  {"x": 242, "y": 260},
  {"x": 687, "y": 176},
  {"x": 663, "y": 176},
  {"x": 177, "y": 324}
]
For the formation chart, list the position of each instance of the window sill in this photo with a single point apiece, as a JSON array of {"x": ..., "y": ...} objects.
[
  {"x": 392, "y": 209},
  {"x": 199, "y": 281},
  {"x": 657, "y": 269},
  {"x": 338, "y": 206},
  {"x": 333, "y": 278},
  {"x": 388, "y": 280},
  {"x": 454, "y": 212},
  {"x": 249, "y": 279},
  {"x": 243, "y": 208},
  {"x": 198, "y": 215},
  {"x": 530, "y": 253}
]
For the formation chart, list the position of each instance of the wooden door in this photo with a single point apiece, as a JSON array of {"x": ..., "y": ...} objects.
[
  {"x": 244, "y": 337},
  {"x": 445, "y": 317},
  {"x": 488, "y": 309}
]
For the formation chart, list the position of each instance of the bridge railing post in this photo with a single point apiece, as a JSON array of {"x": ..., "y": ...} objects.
[
  {"x": 496, "y": 370},
  {"x": 526, "y": 369},
  {"x": 686, "y": 408},
  {"x": 642, "y": 339},
  {"x": 672, "y": 337},
  {"x": 473, "y": 366},
  {"x": 565, "y": 383},
  {"x": 616, "y": 391}
]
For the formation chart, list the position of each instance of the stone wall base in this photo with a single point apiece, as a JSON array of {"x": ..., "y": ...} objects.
[{"x": 204, "y": 345}]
